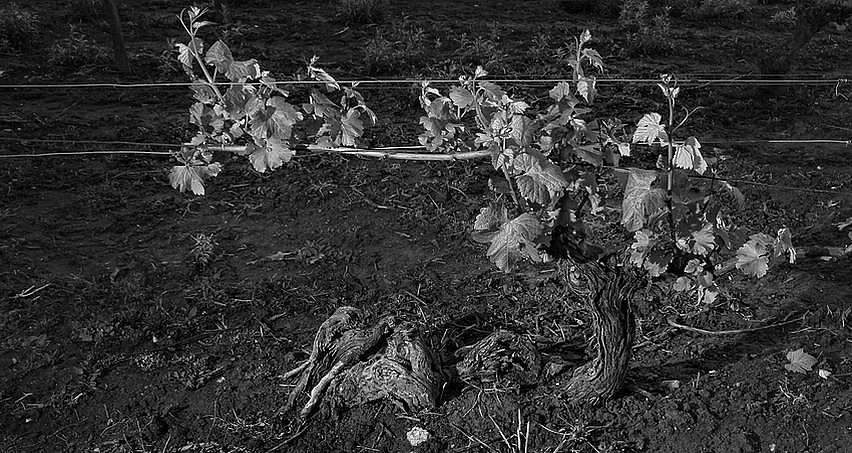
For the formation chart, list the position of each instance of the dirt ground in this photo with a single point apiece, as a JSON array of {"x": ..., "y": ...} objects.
[{"x": 135, "y": 318}]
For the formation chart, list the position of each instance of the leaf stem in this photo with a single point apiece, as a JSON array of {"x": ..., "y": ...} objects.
[
  {"x": 669, "y": 160},
  {"x": 519, "y": 200},
  {"x": 193, "y": 48}
]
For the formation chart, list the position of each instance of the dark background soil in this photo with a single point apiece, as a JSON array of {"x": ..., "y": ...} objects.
[{"x": 127, "y": 341}]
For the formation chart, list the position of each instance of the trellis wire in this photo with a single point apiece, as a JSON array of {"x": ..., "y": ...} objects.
[
  {"x": 654, "y": 81},
  {"x": 404, "y": 154},
  {"x": 22, "y": 140}
]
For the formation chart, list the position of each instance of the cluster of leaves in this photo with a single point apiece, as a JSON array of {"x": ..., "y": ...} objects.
[
  {"x": 553, "y": 163},
  {"x": 239, "y": 108},
  {"x": 547, "y": 160},
  {"x": 685, "y": 226}
]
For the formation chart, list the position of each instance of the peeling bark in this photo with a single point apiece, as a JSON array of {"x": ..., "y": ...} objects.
[
  {"x": 352, "y": 363},
  {"x": 501, "y": 356},
  {"x": 355, "y": 364},
  {"x": 607, "y": 291}
]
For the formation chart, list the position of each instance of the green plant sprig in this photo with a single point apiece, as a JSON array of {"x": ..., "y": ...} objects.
[
  {"x": 551, "y": 162},
  {"x": 247, "y": 107}
]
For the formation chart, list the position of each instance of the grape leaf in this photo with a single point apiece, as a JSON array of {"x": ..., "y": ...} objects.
[
  {"x": 492, "y": 90},
  {"x": 195, "y": 11},
  {"x": 461, "y": 97},
  {"x": 586, "y": 88},
  {"x": 192, "y": 176},
  {"x": 642, "y": 240},
  {"x": 521, "y": 132},
  {"x": 541, "y": 181},
  {"x": 591, "y": 153},
  {"x": 203, "y": 116},
  {"x": 236, "y": 102},
  {"x": 320, "y": 105},
  {"x": 185, "y": 51},
  {"x": 594, "y": 58},
  {"x": 800, "y": 361},
  {"x": 273, "y": 154},
  {"x": 640, "y": 199},
  {"x": 561, "y": 91},
  {"x": 499, "y": 185},
  {"x": 682, "y": 284},
  {"x": 709, "y": 297},
  {"x": 649, "y": 130},
  {"x": 518, "y": 108},
  {"x": 322, "y": 76},
  {"x": 703, "y": 241},
  {"x": 739, "y": 198},
  {"x": 513, "y": 241},
  {"x": 438, "y": 108},
  {"x": 242, "y": 70},
  {"x": 752, "y": 259},
  {"x": 351, "y": 127},
  {"x": 693, "y": 266},
  {"x": 688, "y": 156},
  {"x": 219, "y": 55},
  {"x": 491, "y": 218},
  {"x": 705, "y": 280},
  {"x": 202, "y": 92},
  {"x": 657, "y": 261},
  {"x": 275, "y": 120},
  {"x": 435, "y": 134}
]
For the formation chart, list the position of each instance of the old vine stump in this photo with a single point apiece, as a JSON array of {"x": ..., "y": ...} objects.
[
  {"x": 607, "y": 290},
  {"x": 352, "y": 363}
]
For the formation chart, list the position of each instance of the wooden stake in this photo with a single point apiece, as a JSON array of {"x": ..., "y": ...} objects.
[{"x": 121, "y": 59}]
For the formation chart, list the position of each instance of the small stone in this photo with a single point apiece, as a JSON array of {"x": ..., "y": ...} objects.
[{"x": 417, "y": 436}]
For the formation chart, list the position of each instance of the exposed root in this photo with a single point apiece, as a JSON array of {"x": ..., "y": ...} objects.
[
  {"x": 501, "y": 355},
  {"x": 352, "y": 364},
  {"x": 355, "y": 364},
  {"x": 673, "y": 323}
]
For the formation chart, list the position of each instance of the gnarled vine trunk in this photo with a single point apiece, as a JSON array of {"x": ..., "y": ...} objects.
[
  {"x": 607, "y": 290},
  {"x": 353, "y": 363}
]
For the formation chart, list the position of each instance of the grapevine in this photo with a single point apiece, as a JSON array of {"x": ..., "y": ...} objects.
[
  {"x": 550, "y": 162},
  {"x": 557, "y": 172},
  {"x": 237, "y": 103}
]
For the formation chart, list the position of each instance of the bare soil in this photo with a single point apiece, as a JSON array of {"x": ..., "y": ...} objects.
[{"x": 116, "y": 337}]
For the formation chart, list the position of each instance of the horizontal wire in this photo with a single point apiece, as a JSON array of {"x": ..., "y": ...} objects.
[
  {"x": 697, "y": 81},
  {"x": 412, "y": 147},
  {"x": 82, "y": 142},
  {"x": 383, "y": 153},
  {"x": 779, "y": 142},
  {"x": 81, "y": 153}
]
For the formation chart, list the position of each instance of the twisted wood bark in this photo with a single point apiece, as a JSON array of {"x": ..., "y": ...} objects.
[
  {"x": 606, "y": 283},
  {"x": 607, "y": 290},
  {"x": 354, "y": 363}
]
